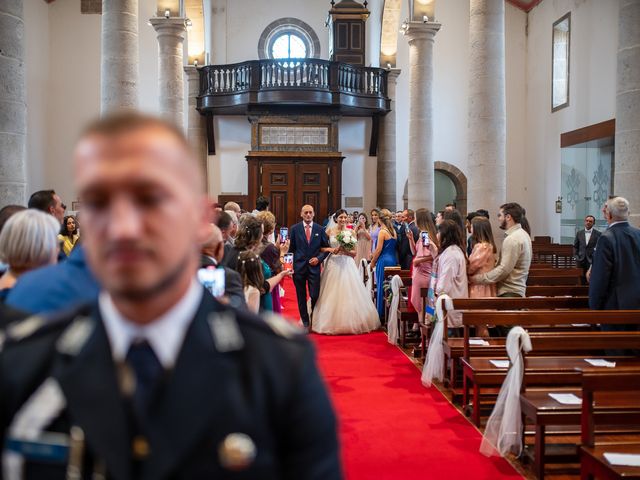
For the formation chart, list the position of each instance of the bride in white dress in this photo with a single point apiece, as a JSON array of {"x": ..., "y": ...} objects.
[{"x": 344, "y": 305}]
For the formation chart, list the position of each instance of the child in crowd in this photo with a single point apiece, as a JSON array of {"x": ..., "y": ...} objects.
[{"x": 250, "y": 269}]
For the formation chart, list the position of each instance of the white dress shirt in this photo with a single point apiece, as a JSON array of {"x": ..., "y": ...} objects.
[
  {"x": 587, "y": 235},
  {"x": 165, "y": 334}
]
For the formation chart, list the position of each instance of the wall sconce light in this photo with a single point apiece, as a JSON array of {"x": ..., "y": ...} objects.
[
  {"x": 195, "y": 63},
  {"x": 559, "y": 205},
  {"x": 388, "y": 66},
  {"x": 403, "y": 27},
  {"x": 188, "y": 23},
  {"x": 425, "y": 19},
  {"x": 167, "y": 13}
]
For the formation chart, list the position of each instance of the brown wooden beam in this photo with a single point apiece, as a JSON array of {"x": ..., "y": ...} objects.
[{"x": 586, "y": 134}]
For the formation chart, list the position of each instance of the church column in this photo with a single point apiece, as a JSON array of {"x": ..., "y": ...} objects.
[
  {"x": 13, "y": 106},
  {"x": 421, "y": 36},
  {"x": 627, "y": 171},
  {"x": 196, "y": 128},
  {"x": 119, "y": 65},
  {"x": 487, "y": 109},
  {"x": 171, "y": 33},
  {"x": 386, "y": 180}
]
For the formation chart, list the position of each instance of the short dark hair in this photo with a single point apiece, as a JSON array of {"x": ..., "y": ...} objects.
[
  {"x": 7, "y": 211},
  {"x": 224, "y": 220},
  {"x": 514, "y": 209},
  {"x": 262, "y": 203},
  {"x": 483, "y": 213},
  {"x": 411, "y": 213},
  {"x": 590, "y": 216},
  {"x": 42, "y": 200},
  {"x": 471, "y": 216}
]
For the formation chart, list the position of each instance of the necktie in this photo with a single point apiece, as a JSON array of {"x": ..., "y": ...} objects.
[
  {"x": 148, "y": 372},
  {"x": 307, "y": 229}
]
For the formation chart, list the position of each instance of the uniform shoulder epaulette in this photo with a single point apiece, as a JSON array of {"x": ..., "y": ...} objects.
[
  {"x": 36, "y": 326},
  {"x": 281, "y": 326}
]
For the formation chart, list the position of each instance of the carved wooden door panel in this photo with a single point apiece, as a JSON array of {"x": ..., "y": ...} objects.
[
  {"x": 312, "y": 187},
  {"x": 279, "y": 185}
]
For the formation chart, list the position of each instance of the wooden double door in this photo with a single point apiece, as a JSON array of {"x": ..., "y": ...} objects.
[{"x": 290, "y": 182}]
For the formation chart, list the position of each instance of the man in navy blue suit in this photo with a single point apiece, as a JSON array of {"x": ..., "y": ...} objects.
[
  {"x": 307, "y": 240},
  {"x": 615, "y": 272}
]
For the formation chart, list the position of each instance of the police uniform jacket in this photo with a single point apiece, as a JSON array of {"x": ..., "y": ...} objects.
[{"x": 243, "y": 401}]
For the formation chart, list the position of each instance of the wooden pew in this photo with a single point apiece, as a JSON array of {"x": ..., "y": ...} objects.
[
  {"x": 555, "y": 276},
  {"x": 557, "y": 290},
  {"x": 595, "y": 383},
  {"x": 480, "y": 375},
  {"x": 406, "y": 316},
  {"x": 544, "y": 411},
  {"x": 454, "y": 347}
]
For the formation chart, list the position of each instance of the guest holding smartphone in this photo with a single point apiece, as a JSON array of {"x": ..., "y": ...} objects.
[{"x": 425, "y": 250}]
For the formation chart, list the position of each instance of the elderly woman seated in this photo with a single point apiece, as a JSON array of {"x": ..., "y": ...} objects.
[{"x": 28, "y": 240}]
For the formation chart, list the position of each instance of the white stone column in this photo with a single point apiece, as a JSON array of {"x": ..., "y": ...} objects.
[
  {"x": 196, "y": 128},
  {"x": 487, "y": 110},
  {"x": 421, "y": 36},
  {"x": 171, "y": 33},
  {"x": 119, "y": 64},
  {"x": 13, "y": 106},
  {"x": 627, "y": 149},
  {"x": 386, "y": 175}
]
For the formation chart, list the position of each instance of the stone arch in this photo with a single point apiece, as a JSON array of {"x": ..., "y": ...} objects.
[{"x": 458, "y": 178}]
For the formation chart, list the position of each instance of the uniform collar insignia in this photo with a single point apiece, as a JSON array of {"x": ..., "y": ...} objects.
[{"x": 225, "y": 331}]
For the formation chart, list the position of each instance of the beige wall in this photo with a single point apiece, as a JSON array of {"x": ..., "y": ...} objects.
[
  {"x": 63, "y": 85},
  {"x": 594, "y": 34}
]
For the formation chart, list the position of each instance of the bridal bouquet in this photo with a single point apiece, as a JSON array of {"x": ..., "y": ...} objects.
[{"x": 347, "y": 240}]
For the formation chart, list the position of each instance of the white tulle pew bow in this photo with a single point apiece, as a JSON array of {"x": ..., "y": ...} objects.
[
  {"x": 504, "y": 428},
  {"x": 434, "y": 364}
]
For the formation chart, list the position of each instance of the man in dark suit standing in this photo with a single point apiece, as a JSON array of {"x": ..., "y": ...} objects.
[
  {"x": 307, "y": 241},
  {"x": 212, "y": 252},
  {"x": 584, "y": 245},
  {"x": 615, "y": 274},
  {"x": 157, "y": 379}
]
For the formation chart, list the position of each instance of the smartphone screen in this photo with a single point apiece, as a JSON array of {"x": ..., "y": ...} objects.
[
  {"x": 425, "y": 238},
  {"x": 213, "y": 280},
  {"x": 288, "y": 261},
  {"x": 284, "y": 234}
]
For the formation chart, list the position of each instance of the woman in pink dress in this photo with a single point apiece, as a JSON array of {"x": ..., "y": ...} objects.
[
  {"x": 481, "y": 260},
  {"x": 363, "y": 249},
  {"x": 425, "y": 250}
]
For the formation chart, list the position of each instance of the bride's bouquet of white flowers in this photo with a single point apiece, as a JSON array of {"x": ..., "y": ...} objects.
[{"x": 347, "y": 240}]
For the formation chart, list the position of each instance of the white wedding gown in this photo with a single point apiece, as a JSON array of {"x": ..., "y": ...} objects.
[{"x": 344, "y": 306}]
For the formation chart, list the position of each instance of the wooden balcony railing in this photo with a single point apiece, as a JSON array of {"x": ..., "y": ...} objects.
[{"x": 231, "y": 89}]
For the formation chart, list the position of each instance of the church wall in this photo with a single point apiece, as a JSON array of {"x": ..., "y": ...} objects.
[
  {"x": 247, "y": 19},
  {"x": 36, "y": 26},
  {"x": 63, "y": 81},
  {"x": 516, "y": 93},
  {"x": 228, "y": 168},
  {"x": 594, "y": 39},
  {"x": 450, "y": 92}
]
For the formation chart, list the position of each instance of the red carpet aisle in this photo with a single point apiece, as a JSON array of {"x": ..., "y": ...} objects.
[
  {"x": 289, "y": 301},
  {"x": 391, "y": 426}
]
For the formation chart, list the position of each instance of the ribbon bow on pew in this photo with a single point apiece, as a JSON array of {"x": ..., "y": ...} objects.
[{"x": 503, "y": 433}]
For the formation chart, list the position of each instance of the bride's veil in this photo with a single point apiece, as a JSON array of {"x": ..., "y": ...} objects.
[{"x": 331, "y": 224}]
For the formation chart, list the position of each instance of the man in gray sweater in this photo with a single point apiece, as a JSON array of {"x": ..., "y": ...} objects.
[{"x": 512, "y": 270}]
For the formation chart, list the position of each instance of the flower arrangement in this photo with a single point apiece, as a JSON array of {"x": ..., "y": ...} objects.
[{"x": 346, "y": 239}]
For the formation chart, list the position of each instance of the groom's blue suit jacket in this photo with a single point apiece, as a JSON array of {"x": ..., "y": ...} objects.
[{"x": 304, "y": 251}]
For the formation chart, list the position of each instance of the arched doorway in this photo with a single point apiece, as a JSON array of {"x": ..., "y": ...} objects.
[{"x": 450, "y": 187}]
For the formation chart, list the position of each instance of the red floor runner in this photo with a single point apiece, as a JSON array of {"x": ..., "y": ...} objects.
[{"x": 391, "y": 427}]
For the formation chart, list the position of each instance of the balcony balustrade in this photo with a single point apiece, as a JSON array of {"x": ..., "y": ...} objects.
[{"x": 234, "y": 89}]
